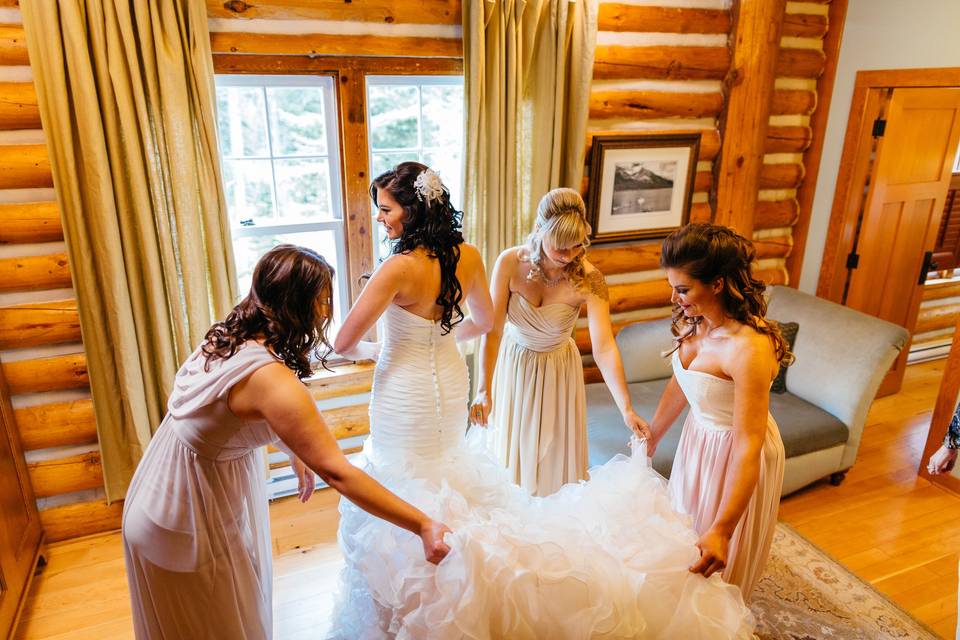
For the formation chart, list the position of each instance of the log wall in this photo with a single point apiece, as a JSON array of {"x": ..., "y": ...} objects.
[
  {"x": 659, "y": 70},
  {"x": 41, "y": 349}
]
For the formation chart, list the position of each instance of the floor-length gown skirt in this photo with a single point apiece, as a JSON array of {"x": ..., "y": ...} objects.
[
  {"x": 697, "y": 485},
  {"x": 539, "y": 421}
]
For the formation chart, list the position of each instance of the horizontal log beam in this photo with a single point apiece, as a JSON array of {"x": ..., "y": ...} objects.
[
  {"x": 25, "y": 166},
  {"x": 639, "y": 295},
  {"x": 13, "y": 45},
  {"x": 66, "y": 475},
  {"x": 47, "y": 374},
  {"x": 347, "y": 422},
  {"x": 57, "y": 424},
  {"x": 788, "y": 139},
  {"x": 800, "y": 63},
  {"x": 18, "y": 106},
  {"x": 385, "y": 11},
  {"x": 344, "y": 380},
  {"x": 634, "y": 296},
  {"x": 709, "y": 140},
  {"x": 30, "y": 222},
  {"x": 774, "y": 214},
  {"x": 771, "y": 277},
  {"x": 941, "y": 290},
  {"x": 618, "y": 62},
  {"x": 646, "y": 105},
  {"x": 34, "y": 272},
  {"x": 591, "y": 374},
  {"x": 781, "y": 176},
  {"x": 774, "y": 247},
  {"x": 935, "y": 318},
  {"x": 39, "y": 323},
  {"x": 642, "y": 256},
  {"x": 804, "y": 25},
  {"x": 625, "y": 17},
  {"x": 321, "y": 44},
  {"x": 81, "y": 519},
  {"x": 789, "y": 102},
  {"x": 645, "y": 255}
]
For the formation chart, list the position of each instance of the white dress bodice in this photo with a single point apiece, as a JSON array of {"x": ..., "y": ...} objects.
[{"x": 418, "y": 403}]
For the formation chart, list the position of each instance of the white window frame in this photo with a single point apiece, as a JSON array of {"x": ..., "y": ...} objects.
[{"x": 331, "y": 130}]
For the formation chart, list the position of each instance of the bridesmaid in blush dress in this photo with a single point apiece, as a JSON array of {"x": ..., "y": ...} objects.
[
  {"x": 196, "y": 529},
  {"x": 531, "y": 377},
  {"x": 728, "y": 470}
]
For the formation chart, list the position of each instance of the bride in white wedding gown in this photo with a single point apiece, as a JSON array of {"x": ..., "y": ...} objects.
[{"x": 607, "y": 558}]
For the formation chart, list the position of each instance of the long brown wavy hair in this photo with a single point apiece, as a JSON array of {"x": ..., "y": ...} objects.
[
  {"x": 281, "y": 309},
  {"x": 707, "y": 252}
]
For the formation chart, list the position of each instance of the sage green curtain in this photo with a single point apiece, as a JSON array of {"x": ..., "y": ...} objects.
[
  {"x": 527, "y": 72},
  {"x": 127, "y": 99}
]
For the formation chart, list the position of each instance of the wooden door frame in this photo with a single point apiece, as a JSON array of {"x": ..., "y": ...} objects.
[
  {"x": 854, "y": 164},
  {"x": 941, "y": 416}
]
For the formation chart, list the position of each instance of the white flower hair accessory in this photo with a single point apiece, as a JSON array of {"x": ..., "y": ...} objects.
[{"x": 429, "y": 187}]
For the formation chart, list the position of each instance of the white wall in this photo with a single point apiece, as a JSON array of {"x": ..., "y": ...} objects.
[{"x": 879, "y": 34}]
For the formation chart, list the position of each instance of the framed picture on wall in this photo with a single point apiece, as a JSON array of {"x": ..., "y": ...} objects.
[{"x": 640, "y": 185}]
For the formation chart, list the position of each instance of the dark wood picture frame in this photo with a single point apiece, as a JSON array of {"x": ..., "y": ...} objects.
[{"x": 640, "y": 143}]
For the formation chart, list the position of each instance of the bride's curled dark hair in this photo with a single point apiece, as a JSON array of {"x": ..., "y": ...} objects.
[
  {"x": 708, "y": 252},
  {"x": 289, "y": 307},
  {"x": 429, "y": 222}
]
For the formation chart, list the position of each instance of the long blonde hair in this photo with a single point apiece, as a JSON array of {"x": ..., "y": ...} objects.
[{"x": 561, "y": 218}]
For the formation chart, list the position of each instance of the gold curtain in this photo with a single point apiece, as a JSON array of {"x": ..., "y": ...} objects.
[
  {"x": 127, "y": 99},
  {"x": 527, "y": 71}
]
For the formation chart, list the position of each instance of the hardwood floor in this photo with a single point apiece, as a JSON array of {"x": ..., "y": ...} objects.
[{"x": 893, "y": 529}]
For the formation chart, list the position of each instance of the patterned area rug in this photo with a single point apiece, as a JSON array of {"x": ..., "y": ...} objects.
[{"x": 807, "y": 595}]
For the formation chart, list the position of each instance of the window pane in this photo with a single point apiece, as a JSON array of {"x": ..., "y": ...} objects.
[
  {"x": 394, "y": 116},
  {"x": 448, "y": 163},
  {"x": 442, "y": 115},
  {"x": 296, "y": 121},
  {"x": 242, "y": 121},
  {"x": 380, "y": 162},
  {"x": 303, "y": 189},
  {"x": 248, "y": 250},
  {"x": 248, "y": 187}
]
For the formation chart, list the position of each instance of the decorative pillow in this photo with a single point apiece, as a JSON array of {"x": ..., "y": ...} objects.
[{"x": 789, "y": 332}]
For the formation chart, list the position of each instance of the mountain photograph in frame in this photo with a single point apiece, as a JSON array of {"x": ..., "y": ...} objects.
[{"x": 640, "y": 185}]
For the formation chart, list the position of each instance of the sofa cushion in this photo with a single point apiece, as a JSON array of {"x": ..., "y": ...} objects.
[
  {"x": 608, "y": 436},
  {"x": 803, "y": 427}
]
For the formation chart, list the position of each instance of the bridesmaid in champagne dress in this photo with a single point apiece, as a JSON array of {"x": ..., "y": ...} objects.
[
  {"x": 728, "y": 470},
  {"x": 531, "y": 377},
  {"x": 196, "y": 529}
]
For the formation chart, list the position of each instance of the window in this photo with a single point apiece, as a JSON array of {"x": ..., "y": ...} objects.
[
  {"x": 281, "y": 169},
  {"x": 416, "y": 118},
  {"x": 301, "y": 137}
]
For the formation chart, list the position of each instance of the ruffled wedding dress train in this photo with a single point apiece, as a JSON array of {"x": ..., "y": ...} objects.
[{"x": 606, "y": 558}]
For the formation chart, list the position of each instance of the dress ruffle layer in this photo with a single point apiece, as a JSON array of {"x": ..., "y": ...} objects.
[{"x": 604, "y": 559}]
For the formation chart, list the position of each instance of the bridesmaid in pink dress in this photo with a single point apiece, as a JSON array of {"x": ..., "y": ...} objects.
[
  {"x": 196, "y": 529},
  {"x": 728, "y": 469}
]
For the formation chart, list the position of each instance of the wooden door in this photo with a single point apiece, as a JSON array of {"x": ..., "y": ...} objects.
[
  {"x": 903, "y": 208},
  {"x": 21, "y": 536}
]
